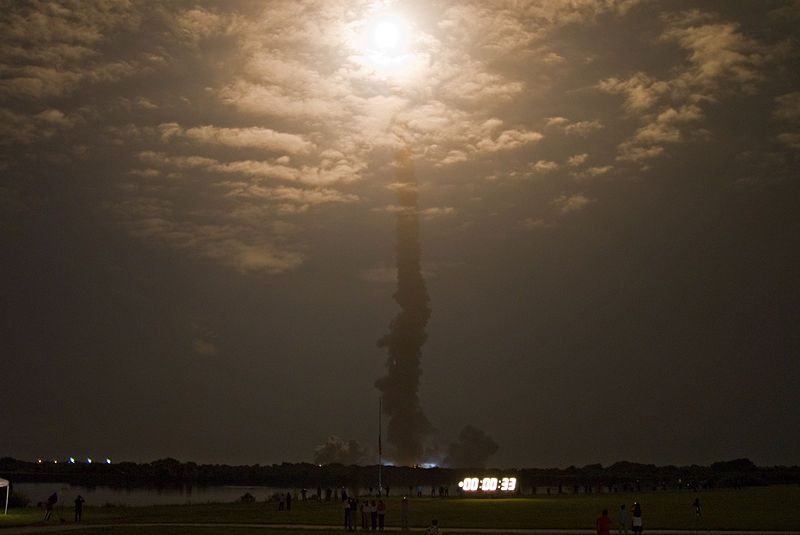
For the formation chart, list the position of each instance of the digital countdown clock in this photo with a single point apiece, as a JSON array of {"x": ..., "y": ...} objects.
[{"x": 488, "y": 484}]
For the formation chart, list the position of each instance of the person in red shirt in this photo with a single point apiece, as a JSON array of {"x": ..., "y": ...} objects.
[{"x": 603, "y": 524}]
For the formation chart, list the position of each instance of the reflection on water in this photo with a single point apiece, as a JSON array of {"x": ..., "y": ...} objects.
[{"x": 95, "y": 496}]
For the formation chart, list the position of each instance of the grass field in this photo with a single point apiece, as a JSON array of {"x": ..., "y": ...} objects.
[{"x": 760, "y": 508}]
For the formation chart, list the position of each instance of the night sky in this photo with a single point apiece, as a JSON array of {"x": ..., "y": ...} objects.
[{"x": 199, "y": 205}]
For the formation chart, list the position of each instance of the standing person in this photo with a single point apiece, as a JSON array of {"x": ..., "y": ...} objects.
[
  {"x": 698, "y": 511},
  {"x": 353, "y": 510},
  {"x": 288, "y": 501},
  {"x": 281, "y": 502},
  {"x": 364, "y": 514},
  {"x": 346, "y": 506},
  {"x": 79, "y": 508},
  {"x": 373, "y": 515},
  {"x": 603, "y": 524},
  {"x": 381, "y": 515},
  {"x": 404, "y": 514},
  {"x": 48, "y": 506},
  {"x": 623, "y": 520},
  {"x": 637, "y": 518},
  {"x": 433, "y": 529}
]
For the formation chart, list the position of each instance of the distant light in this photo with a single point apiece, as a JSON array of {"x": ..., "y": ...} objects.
[
  {"x": 108, "y": 461},
  {"x": 428, "y": 465},
  {"x": 89, "y": 460},
  {"x": 72, "y": 460},
  {"x": 55, "y": 461},
  {"x": 39, "y": 461},
  {"x": 387, "y": 35}
]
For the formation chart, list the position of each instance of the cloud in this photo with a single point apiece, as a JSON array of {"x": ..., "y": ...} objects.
[
  {"x": 437, "y": 211},
  {"x": 514, "y": 27},
  {"x": 640, "y": 90},
  {"x": 241, "y": 245},
  {"x": 718, "y": 52},
  {"x": 50, "y": 50},
  {"x": 427, "y": 213},
  {"x": 790, "y": 139},
  {"x": 787, "y": 107},
  {"x": 197, "y": 23},
  {"x": 301, "y": 196},
  {"x": 719, "y": 60},
  {"x": 544, "y": 166},
  {"x": 252, "y": 137},
  {"x": 508, "y": 140},
  {"x": 583, "y": 128},
  {"x": 204, "y": 347},
  {"x": 580, "y": 128},
  {"x": 532, "y": 223},
  {"x": 327, "y": 172},
  {"x": 577, "y": 159},
  {"x": 556, "y": 121},
  {"x": 32, "y": 128},
  {"x": 592, "y": 172},
  {"x": 571, "y": 203},
  {"x": 664, "y": 128},
  {"x": 277, "y": 101},
  {"x": 380, "y": 274}
]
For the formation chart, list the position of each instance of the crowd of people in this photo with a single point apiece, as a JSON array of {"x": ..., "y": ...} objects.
[
  {"x": 370, "y": 513},
  {"x": 51, "y": 502},
  {"x": 604, "y": 524}
]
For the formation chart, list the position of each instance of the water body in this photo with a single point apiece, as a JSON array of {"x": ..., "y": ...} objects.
[
  {"x": 140, "y": 496},
  {"x": 188, "y": 494}
]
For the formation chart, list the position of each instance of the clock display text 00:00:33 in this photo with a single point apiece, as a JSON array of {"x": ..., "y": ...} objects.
[{"x": 488, "y": 484}]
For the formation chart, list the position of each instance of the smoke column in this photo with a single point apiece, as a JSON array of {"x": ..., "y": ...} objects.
[{"x": 408, "y": 426}]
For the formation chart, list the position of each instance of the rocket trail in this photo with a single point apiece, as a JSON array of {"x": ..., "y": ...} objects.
[{"x": 408, "y": 426}]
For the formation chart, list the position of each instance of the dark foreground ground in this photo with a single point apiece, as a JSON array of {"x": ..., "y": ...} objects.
[{"x": 760, "y": 509}]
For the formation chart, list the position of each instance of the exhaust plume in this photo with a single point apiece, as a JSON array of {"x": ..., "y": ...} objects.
[
  {"x": 408, "y": 426},
  {"x": 473, "y": 449},
  {"x": 337, "y": 450}
]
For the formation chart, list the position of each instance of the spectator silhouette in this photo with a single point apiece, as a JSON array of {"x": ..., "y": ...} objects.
[{"x": 79, "y": 508}]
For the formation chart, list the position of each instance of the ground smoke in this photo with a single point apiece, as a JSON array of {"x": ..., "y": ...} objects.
[{"x": 473, "y": 449}]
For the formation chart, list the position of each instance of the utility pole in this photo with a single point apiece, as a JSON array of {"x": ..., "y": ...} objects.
[{"x": 380, "y": 450}]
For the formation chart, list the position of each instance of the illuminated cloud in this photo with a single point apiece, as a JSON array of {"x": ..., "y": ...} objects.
[
  {"x": 27, "y": 129},
  {"x": 544, "y": 166},
  {"x": 580, "y": 128},
  {"x": 204, "y": 347},
  {"x": 719, "y": 60},
  {"x": 592, "y": 172},
  {"x": 531, "y": 223},
  {"x": 641, "y": 91},
  {"x": 790, "y": 139},
  {"x": 571, "y": 203},
  {"x": 253, "y": 137},
  {"x": 577, "y": 159},
  {"x": 787, "y": 107}
]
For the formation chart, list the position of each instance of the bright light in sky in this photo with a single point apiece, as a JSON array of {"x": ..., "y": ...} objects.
[
  {"x": 383, "y": 43},
  {"x": 386, "y": 35}
]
